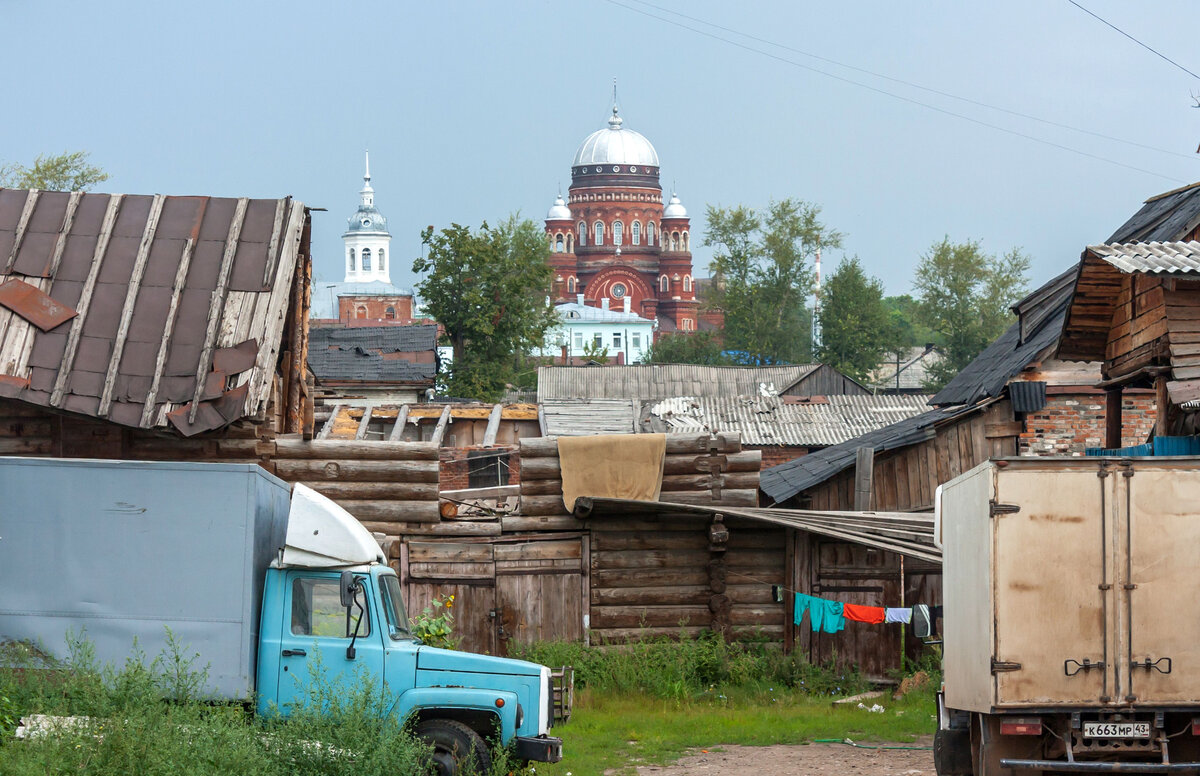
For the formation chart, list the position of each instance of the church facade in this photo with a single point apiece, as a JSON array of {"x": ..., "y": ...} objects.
[{"x": 613, "y": 239}]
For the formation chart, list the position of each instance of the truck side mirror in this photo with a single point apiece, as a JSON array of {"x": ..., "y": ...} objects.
[{"x": 346, "y": 587}]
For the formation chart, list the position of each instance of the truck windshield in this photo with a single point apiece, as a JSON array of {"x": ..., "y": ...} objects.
[{"x": 393, "y": 607}]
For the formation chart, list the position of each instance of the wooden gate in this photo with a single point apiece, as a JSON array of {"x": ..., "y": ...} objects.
[{"x": 506, "y": 588}]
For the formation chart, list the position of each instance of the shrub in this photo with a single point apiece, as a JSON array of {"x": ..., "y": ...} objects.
[
  {"x": 687, "y": 666},
  {"x": 435, "y": 625}
]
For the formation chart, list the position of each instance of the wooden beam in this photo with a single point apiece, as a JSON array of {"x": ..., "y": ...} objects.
[
  {"x": 864, "y": 472},
  {"x": 493, "y": 426},
  {"x": 273, "y": 245},
  {"x": 362, "y": 424},
  {"x": 31, "y": 198},
  {"x": 439, "y": 431},
  {"x": 85, "y": 300},
  {"x": 1162, "y": 403},
  {"x": 181, "y": 272},
  {"x": 217, "y": 304},
  {"x": 61, "y": 243},
  {"x": 131, "y": 295},
  {"x": 401, "y": 420},
  {"x": 1112, "y": 418},
  {"x": 327, "y": 429}
]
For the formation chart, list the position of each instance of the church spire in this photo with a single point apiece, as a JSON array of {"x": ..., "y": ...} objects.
[{"x": 368, "y": 193}]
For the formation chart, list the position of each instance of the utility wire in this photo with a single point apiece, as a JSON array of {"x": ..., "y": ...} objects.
[
  {"x": 1158, "y": 54},
  {"x": 895, "y": 96},
  {"x": 910, "y": 84}
]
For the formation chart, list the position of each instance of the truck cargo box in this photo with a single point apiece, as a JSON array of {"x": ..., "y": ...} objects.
[
  {"x": 110, "y": 550},
  {"x": 1072, "y": 583}
]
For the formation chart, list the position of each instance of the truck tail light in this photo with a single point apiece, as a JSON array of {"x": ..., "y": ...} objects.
[
  {"x": 1022, "y": 726},
  {"x": 1196, "y": 726}
]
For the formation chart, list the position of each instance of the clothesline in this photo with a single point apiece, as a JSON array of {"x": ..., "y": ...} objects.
[{"x": 826, "y": 616}]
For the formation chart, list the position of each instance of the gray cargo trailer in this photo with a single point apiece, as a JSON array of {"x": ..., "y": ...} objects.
[{"x": 204, "y": 535}]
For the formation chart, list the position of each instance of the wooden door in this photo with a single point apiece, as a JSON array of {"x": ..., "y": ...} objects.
[
  {"x": 540, "y": 590},
  {"x": 854, "y": 574},
  {"x": 461, "y": 568}
]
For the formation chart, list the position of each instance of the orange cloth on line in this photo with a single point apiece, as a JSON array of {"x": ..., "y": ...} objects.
[
  {"x": 858, "y": 613},
  {"x": 612, "y": 466}
]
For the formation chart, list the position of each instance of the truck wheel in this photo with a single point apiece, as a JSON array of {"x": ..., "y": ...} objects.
[
  {"x": 952, "y": 753},
  {"x": 457, "y": 749}
]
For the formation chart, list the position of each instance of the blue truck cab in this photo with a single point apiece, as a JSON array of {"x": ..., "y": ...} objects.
[{"x": 280, "y": 591}]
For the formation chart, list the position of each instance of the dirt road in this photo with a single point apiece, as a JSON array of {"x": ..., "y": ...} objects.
[{"x": 810, "y": 760}]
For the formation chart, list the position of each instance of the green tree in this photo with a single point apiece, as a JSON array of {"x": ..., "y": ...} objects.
[
  {"x": 762, "y": 270},
  {"x": 701, "y": 347},
  {"x": 68, "y": 171},
  {"x": 904, "y": 318},
  {"x": 855, "y": 324},
  {"x": 964, "y": 295},
  {"x": 488, "y": 290},
  {"x": 593, "y": 351}
]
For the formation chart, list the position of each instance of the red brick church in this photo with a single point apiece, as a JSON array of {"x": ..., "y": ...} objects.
[{"x": 614, "y": 239}]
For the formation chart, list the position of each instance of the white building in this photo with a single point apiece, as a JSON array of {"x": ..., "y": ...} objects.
[
  {"x": 367, "y": 238},
  {"x": 584, "y": 329}
]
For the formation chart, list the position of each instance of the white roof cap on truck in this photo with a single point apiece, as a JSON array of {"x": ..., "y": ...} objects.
[{"x": 320, "y": 534}]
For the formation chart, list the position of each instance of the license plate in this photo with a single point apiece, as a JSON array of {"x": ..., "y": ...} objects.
[{"x": 1116, "y": 729}]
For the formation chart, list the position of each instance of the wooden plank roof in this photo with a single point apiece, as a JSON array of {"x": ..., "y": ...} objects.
[{"x": 175, "y": 302}]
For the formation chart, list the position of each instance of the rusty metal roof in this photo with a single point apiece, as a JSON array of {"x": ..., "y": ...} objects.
[
  {"x": 128, "y": 307},
  {"x": 826, "y": 421},
  {"x": 1151, "y": 257}
]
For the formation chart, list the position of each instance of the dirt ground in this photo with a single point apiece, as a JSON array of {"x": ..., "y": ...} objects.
[{"x": 808, "y": 760}]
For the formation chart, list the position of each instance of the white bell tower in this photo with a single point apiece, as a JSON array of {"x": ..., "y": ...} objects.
[{"x": 368, "y": 242}]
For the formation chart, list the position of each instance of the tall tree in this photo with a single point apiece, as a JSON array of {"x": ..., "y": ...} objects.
[
  {"x": 68, "y": 171},
  {"x": 489, "y": 291},
  {"x": 964, "y": 295},
  {"x": 855, "y": 323},
  {"x": 763, "y": 275},
  {"x": 701, "y": 347}
]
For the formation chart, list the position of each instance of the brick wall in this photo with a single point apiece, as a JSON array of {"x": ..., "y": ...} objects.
[
  {"x": 1071, "y": 422},
  {"x": 773, "y": 455},
  {"x": 455, "y": 464}
]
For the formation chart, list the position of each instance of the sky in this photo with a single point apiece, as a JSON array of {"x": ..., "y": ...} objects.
[{"x": 899, "y": 119}]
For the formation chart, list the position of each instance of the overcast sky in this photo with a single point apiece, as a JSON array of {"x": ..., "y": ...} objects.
[{"x": 473, "y": 110}]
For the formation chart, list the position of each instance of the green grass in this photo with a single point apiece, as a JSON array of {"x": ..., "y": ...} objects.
[{"x": 620, "y": 730}]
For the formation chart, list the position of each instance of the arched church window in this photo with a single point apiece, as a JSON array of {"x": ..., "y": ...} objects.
[
  {"x": 685, "y": 241},
  {"x": 361, "y": 312},
  {"x": 390, "y": 312},
  {"x": 382, "y": 261},
  {"x": 582, "y": 233},
  {"x": 649, "y": 233},
  {"x": 352, "y": 267},
  {"x": 570, "y": 285},
  {"x": 559, "y": 244},
  {"x": 636, "y": 229},
  {"x": 674, "y": 241},
  {"x": 687, "y": 283},
  {"x": 599, "y": 227},
  {"x": 570, "y": 243},
  {"x": 664, "y": 284},
  {"x": 618, "y": 232},
  {"x": 366, "y": 259}
]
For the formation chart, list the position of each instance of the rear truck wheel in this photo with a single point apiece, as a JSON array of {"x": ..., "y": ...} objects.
[
  {"x": 457, "y": 749},
  {"x": 952, "y": 752}
]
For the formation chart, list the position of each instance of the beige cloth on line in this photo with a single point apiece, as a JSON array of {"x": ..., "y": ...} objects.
[{"x": 612, "y": 466}]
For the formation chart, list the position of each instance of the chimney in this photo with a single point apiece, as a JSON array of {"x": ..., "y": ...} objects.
[
  {"x": 626, "y": 301},
  {"x": 579, "y": 299},
  {"x": 604, "y": 303},
  {"x": 565, "y": 355}
]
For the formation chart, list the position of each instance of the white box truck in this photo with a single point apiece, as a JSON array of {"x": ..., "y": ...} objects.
[{"x": 1072, "y": 617}]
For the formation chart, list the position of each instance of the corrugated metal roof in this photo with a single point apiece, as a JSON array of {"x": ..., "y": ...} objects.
[
  {"x": 1151, "y": 257},
  {"x": 788, "y": 479},
  {"x": 583, "y": 417},
  {"x": 405, "y": 355},
  {"x": 166, "y": 290},
  {"x": 773, "y": 421},
  {"x": 663, "y": 381}
]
